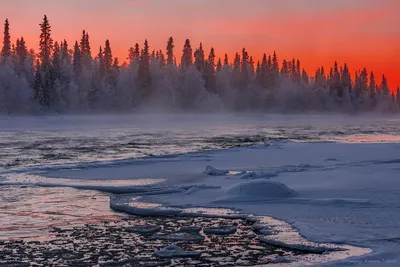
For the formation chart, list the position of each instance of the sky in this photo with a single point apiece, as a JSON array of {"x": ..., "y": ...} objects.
[{"x": 362, "y": 33}]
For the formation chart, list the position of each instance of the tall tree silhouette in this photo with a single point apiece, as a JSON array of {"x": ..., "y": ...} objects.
[
  {"x": 199, "y": 58},
  {"x": 170, "y": 51},
  {"x": 384, "y": 86},
  {"x": 45, "y": 52},
  {"x": 6, "y": 51},
  {"x": 187, "y": 56},
  {"x": 144, "y": 76},
  {"x": 108, "y": 57}
]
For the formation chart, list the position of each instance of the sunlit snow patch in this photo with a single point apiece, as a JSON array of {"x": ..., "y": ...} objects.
[{"x": 110, "y": 186}]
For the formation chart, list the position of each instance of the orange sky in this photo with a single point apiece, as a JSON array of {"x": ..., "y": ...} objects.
[{"x": 363, "y": 33}]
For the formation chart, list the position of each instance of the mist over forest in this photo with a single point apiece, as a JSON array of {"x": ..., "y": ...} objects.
[{"x": 63, "y": 77}]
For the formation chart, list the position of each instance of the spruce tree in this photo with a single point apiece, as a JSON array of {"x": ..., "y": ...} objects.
[
  {"x": 6, "y": 51},
  {"x": 170, "y": 51},
  {"x": 46, "y": 42},
  {"x": 187, "y": 56},
  {"x": 372, "y": 85},
  {"x": 21, "y": 51},
  {"x": 364, "y": 80},
  {"x": 199, "y": 60},
  {"x": 161, "y": 59},
  {"x": 209, "y": 73},
  {"x": 304, "y": 77},
  {"x": 46, "y": 49},
  {"x": 384, "y": 86},
  {"x": 219, "y": 65},
  {"x": 226, "y": 60},
  {"x": 144, "y": 76},
  {"x": 108, "y": 58},
  {"x": 346, "y": 79},
  {"x": 77, "y": 59}
]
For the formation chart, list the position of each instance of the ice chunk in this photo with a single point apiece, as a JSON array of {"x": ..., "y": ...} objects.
[
  {"x": 179, "y": 236},
  {"x": 296, "y": 246},
  {"x": 258, "y": 190},
  {"x": 191, "y": 229},
  {"x": 144, "y": 229},
  {"x": 221, "y": 230},
  {"x": 176, "y": 252},
  {"x": 215, "y": 172}
]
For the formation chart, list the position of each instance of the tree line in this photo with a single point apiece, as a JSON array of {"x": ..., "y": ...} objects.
[{"x": 72, "y": 78}]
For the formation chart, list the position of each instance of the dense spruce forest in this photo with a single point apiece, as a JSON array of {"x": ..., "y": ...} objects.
[{"x": 64, "y": 77}]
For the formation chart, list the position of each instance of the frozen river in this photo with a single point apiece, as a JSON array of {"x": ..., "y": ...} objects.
[{"x": 337, "y": 174}]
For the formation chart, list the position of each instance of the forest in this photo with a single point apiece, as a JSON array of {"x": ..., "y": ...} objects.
[{"x": 72, "y": 78}]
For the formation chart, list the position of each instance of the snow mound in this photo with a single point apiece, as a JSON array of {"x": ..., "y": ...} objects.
[
  {"x": 258, "y": 190},
  {"x": 179, "y": 236},
  {"x": 215, "y": 172},
  {"x": 221, "y": 230},
  {"x": 176, "y": 252}
]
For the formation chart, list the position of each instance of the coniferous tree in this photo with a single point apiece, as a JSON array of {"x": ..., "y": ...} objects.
[
  {"x": 108, "y": 58},
  {"x": 170, "y": 51},
  {"x": 226, "y": 60},
  {"x": 6, "y": 50},
  {"x": 22, "y": 51},
  {"x": 219, "y": 65},
  {"x": 304, "y": 77},
  {"x": 144, "y": 75},
  {"x": 209, "y": 73},
  {"x": 187, "y": 57},
  {"x": 199, "y": 59},
  {"x": 384, "y": 86},
  {"x": 372, "y": 85},
  {"x": 77, "y": 58},
  {"x": 45, "y": 52},
  {"x": 245, "y": 69}
]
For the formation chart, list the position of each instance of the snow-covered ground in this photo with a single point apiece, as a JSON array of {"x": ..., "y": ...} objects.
[{"x": 334, "y": 191}]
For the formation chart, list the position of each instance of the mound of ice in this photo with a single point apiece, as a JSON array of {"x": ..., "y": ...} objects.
[
  {"x": 295, "y": 246},
  {"x": 141, "y": 208},
  {"x": 258, "y": 190},
  {"x": 176, "y": 252},
  {"x": 179, "y": 236},
  {"x": 221, "y": 230},
  {"x": 215, "y": 172}
]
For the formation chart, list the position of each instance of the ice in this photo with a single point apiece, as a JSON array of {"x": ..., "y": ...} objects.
[
  {"x": 215, "y": 172},
  {"x": 174, "y": 251},
  {"x": 220, "y": 230},
  {"x": 345, "y": 194},
  {"x": 144, "y": 229},
  {"x": 256, "y": 191},
  {"x": 299, "y": 247},
  {"x": 179, "y": 236},
  {"x": 191, "y": 229}
]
